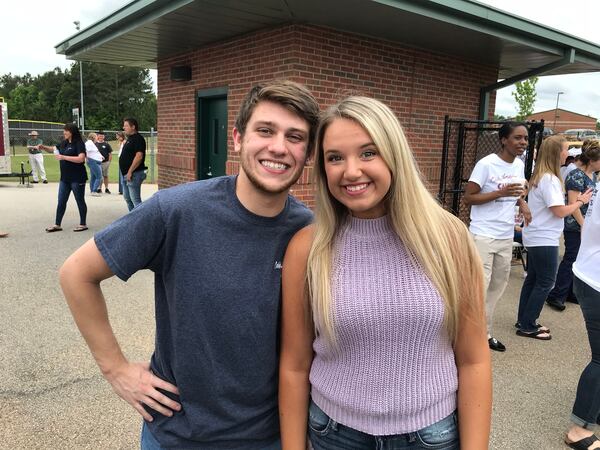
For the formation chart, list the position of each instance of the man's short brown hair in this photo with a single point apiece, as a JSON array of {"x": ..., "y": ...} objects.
[{"x": 292, "y": 96}]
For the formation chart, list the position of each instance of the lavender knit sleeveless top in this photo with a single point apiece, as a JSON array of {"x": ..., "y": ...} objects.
[{"x": 392, "y": 370}]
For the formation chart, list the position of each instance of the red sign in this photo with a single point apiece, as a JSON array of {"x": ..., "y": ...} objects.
[{"x": 2, "y": 149}]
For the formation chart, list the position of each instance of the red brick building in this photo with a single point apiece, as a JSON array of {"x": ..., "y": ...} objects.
[
  {"x": 561, "y": 120},
  {"x": 424, "y": 59}
]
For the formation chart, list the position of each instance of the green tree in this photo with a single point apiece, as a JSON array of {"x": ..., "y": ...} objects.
[
  {"x": 499, "y": 117},
  {"x": 110, "y": 94},
  {"x": 525, "y": 97}
]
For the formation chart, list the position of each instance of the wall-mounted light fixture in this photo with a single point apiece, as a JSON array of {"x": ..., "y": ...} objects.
[{"x": 181, "y": 73}]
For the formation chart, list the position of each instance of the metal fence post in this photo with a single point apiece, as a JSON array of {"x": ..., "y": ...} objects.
[{"x": 152, "y": 157}]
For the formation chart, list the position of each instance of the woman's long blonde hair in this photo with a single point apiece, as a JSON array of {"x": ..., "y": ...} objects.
[
  {"x": 548, "y": 159},
  {"x": 438, "y": 241}
]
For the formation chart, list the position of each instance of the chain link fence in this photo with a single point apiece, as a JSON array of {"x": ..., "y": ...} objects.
[
  {"x": 465, "y": 143},
  {"x": 52, "y": 134}
]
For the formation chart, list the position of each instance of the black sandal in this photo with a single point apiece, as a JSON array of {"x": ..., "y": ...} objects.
[
  {"x": 537, "y": 325},
  {"x": 534, "y": 334},
  {"x": 80, "y": 228},
  {"x": 583, "y": 444},
  {"x": 53, "y": 228}
]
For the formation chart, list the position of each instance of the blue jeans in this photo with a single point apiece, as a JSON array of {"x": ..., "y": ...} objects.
[
  {"x": 149, "y": 442},
  {"x": 120, "y": 182},
  {"x": 326, "y": 434},
  {"x": 586, "y": 410},
  {"x": 132, "y": 190},
  {"x": 542, "y": 263},
  {"x": 95, "y": 174},
  {"x": 563, "y": 288},
  {"x": 64, "y": 190}
]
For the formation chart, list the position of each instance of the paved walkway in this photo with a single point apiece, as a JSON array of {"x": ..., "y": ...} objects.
[{"x": 53, "y": 397}]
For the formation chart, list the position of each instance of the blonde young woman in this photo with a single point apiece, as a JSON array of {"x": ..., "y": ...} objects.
[
  {"x": 120, "y": 136},
  {"x": 547, "y": 205},
  {"x": 382, "y": 303},
  {"x": 94, "y": 162}
]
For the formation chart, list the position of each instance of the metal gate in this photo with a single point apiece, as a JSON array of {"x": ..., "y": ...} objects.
[{"x": 465, "y": 143}]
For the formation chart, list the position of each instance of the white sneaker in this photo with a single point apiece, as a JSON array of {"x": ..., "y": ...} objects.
[{"x": 95, "y": 194}]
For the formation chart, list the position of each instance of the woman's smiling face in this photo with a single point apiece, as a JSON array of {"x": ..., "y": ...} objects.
[{"x": 357, "y": 175}]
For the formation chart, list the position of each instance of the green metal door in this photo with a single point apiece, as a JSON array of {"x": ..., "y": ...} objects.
[{"x": 212, "y": 154}]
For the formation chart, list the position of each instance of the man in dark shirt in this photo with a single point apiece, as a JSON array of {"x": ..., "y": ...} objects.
[
  {"x": 216, "y": 248},
  {"x": 131, "y": 163},
  {"x": 106, "y": 151}
]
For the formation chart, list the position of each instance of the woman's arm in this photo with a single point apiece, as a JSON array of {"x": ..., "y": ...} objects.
[
  {"x": 74, "y": 159},
  {"x": 471, "y": 351},
  {"x": 572, "y": 198},
  {"x": 473, "y": 195},
  {"x": 296, "y": 344},
  {"x": 47, "y": 148},
  {"x": 566, "y": 210}
]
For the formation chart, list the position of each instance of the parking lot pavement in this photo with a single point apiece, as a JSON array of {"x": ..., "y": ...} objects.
[{"x": 52, "y": 395}]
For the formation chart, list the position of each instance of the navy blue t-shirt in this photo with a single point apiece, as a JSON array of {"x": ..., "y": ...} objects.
[
  {"x": 217, "y": 291},
  {"x": 71, "y": 172}
]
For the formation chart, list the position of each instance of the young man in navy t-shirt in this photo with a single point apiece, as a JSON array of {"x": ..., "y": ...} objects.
[{"x": 216, "y": 249}]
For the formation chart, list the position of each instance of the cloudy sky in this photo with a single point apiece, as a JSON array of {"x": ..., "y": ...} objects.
[{"x": 31, "y": 29}]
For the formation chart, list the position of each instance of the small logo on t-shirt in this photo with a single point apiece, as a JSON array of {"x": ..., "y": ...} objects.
[{"x": 277, "y": 265}]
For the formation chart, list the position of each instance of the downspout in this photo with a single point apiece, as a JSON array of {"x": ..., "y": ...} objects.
[{"x": 484, "y": 96}]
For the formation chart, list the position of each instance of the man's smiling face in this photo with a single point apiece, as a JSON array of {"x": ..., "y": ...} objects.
[{"x": 273, "y": 147}]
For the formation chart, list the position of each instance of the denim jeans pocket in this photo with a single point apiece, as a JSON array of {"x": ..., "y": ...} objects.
[
  {"x": 440, "y": 435},
  {"x": 318, "y": 421}
]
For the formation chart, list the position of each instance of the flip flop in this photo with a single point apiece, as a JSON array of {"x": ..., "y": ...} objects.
[
  {"x": 537, "y": 325},
  {"x": 53, "y": 228},
  {"x": 534, "y": 335},
  {"x": 584, "y": 443},
  {"x": 80, "y": 228}
]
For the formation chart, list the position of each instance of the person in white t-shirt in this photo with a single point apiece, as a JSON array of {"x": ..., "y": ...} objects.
[
  {"x": 120, "y": 136},
  {"x": 94, "y": 160},
  {"x": 496, "y": 185},
  {"x": 547, "y": 203},
  {"x": 586, "y": 284}
]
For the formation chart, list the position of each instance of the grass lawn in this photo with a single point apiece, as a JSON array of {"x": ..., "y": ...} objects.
[{"x": 52, "y": 167}]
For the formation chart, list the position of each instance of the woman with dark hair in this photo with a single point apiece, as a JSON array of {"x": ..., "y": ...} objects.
[
  {"x": 495, "y": 186},
  {"x": 576, "y": 182},
  {"x": 541, "y": 237},
  {"x": 71, "y": 154}
]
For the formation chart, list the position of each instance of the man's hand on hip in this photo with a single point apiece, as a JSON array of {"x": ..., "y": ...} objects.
[{"x": 138, "y": 386}]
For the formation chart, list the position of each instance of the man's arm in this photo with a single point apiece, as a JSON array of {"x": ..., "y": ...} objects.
[{"x": 80, "y": 278}]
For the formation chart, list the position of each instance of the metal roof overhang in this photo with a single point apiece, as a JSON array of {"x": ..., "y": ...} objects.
[{"x": 144, "y": 31}]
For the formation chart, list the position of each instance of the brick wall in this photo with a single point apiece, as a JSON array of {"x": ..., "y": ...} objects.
[
  {"x": 420, "y": 86},
  {"x": 565, "y": 120}
]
